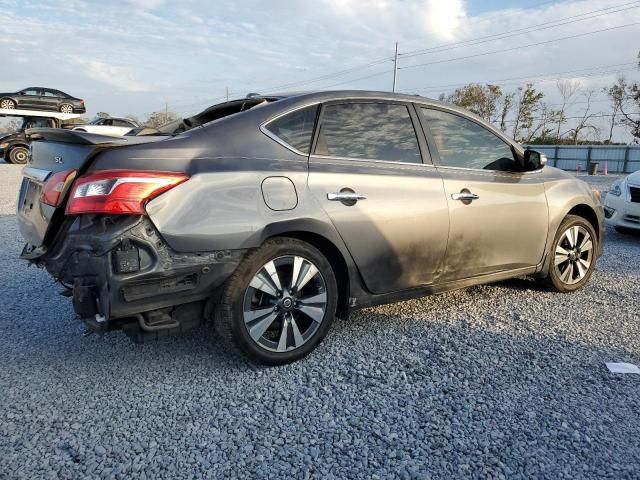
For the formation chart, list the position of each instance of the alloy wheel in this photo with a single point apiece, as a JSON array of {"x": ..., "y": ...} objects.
[
  {"x": 285, "y": 303},
  {"x": 573, "y": 255},
  {"x": 7, "y": 104},
  {"x": 66, "y": 108}
]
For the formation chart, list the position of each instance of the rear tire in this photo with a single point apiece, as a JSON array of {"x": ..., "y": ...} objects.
[
  {"x": 66, "y": 108},
  {"x": 573, "y": 255},
  {"x": 19, "y": 155},
  {"x": 7, "y": 104},
  {"x": 279, "y": 303}
]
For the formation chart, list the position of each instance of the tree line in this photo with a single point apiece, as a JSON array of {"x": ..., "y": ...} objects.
[{"x": 524, "y": 115}]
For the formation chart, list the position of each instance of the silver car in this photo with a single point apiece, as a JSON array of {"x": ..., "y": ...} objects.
[{"x": 270, "y": 215}]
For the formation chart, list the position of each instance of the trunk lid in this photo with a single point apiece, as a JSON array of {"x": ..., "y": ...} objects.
[{"x": 54, "y": 151}]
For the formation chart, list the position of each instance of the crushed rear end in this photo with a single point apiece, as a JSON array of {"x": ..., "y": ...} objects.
[{"x": 89, "y": 229}]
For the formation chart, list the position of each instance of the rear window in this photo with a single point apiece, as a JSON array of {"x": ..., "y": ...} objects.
[{"x": 296, "y": 128}]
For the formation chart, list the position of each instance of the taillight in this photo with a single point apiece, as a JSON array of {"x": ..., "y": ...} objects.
[
  {"x": 121, "y": 192},
  {"x": 54, "y": 188}
]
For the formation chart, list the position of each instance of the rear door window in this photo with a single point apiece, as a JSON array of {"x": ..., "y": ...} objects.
[
  {"x": 295, "y": 129},
  {"x": 374, "y": 131}
]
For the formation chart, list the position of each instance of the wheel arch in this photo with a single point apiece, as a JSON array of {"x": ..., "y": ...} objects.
[
  {"x": 579, "y": 209},
  {"x": 332, "y": 253},
  {"x": 585, "y": 211}
]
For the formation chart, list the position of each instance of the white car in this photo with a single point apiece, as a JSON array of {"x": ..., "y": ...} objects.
[
  {"x": 112, "y": 126},
  {"x": 622, "y": 203}
]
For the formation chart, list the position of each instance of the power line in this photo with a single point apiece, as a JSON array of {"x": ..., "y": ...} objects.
[
  {"x": 511, "y": 33},
  {"x": 503, "y": 50},
  {"x": 551, "y": 76},
  {"x": 327, "y": 76}
]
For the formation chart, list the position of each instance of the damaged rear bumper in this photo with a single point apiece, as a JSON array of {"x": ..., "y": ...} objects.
[{"x": 120, "y": 267}]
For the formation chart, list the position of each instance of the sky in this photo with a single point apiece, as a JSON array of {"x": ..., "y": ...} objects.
[{"x": 133, "y": 57}]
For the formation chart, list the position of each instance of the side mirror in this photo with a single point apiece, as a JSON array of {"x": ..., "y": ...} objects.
[{"x": 534, "y": 160}]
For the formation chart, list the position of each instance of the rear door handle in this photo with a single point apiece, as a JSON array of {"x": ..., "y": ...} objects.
[
  {"x": 465, "y": 196},
  {"x": 345, "y": 197}
]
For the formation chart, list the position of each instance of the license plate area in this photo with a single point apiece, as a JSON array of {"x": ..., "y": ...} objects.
[
  {"x": 31, "y": 197},
  {"x": 33, "y": 216}
]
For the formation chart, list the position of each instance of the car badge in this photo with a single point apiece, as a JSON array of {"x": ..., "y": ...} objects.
[{"x": 58, "y": 160}]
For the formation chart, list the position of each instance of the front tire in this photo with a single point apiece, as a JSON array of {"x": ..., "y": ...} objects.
[
  {"x": 7, "y": 104},
  {"x": 573, "y": 255},
  {"x": 279, "y": 303},
  {"x": 19, "y": 155}
]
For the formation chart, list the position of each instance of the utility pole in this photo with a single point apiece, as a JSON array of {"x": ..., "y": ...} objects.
[
  {"x": 227, "y": 93},
  {"x": 166, "y": 112},
  {"x": 395, "y": 68}
]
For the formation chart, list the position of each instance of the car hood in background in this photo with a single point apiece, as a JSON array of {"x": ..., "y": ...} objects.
[{"x": 634, "y": 178}]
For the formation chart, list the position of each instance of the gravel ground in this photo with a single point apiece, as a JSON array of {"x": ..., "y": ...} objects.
[{"x": 498, "y": 381}]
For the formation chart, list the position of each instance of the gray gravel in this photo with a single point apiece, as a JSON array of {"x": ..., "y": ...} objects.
[{"x": 499, "y": 381}]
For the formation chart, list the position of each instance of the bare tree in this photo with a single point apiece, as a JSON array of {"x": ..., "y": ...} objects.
[
  {"x": 617, "y": 94},
  {"x": 568, "y": 90},
  {"x": 542, "y": 127},
  {"x": 584, "y": 121},
  {"x": 9, "y": 126},
  {"x": 157, "y": 119},
  {"x": 632, "y": 119}
]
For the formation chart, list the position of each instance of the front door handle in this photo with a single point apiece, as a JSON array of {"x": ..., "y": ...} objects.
[
  {"x": 465, "y": 196},
  {"x": 345, "y": 197}
]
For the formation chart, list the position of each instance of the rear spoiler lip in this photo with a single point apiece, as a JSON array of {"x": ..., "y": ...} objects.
[
  {"x": 70, "y": 136},
  {"x": 61, "y": 135}
]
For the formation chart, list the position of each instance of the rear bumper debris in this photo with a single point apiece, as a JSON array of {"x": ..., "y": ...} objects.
[{"x": 119, "y": 268}]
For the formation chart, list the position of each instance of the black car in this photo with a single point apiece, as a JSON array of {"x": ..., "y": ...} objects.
[
  {"x": 14, "y": 148},
  {"x": 280, "y": 213},
  {"x": 38, "y": 98}
]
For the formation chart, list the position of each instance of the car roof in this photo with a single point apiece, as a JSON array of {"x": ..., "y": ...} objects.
[{"x": 299, "y": 98}]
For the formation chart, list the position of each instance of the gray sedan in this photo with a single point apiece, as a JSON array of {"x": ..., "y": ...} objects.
[{"x": 281, "y": 212}]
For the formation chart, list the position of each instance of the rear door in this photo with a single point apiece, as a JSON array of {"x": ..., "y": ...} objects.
[
  {"x": 51, "y": 99},
  {"x": 498, "y": 215},
  {"x": 367, "y": 172}
]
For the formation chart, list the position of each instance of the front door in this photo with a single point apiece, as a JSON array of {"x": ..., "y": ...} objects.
[
  {"x": 389, "y": 207},
  {"x": 498, "y": 215},
  {"x": 30, "y": 98}
]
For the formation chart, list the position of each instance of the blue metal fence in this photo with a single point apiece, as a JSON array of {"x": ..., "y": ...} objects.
[{"x": 618, "y": 158}]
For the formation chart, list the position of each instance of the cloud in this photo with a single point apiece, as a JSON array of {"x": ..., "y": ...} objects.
[
  {"x": 444, "y": 18},
  {"x": 113, "y": 75},
  {"x": 187, "y": 53}
]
